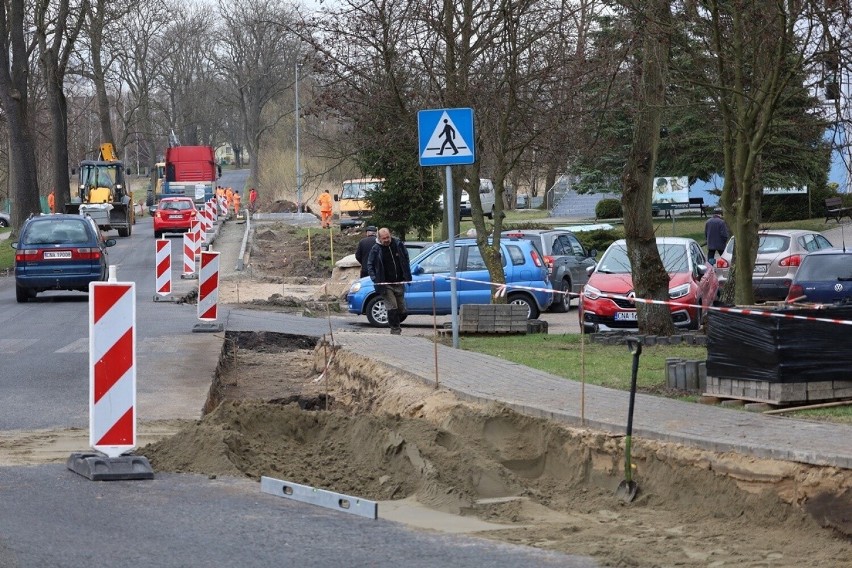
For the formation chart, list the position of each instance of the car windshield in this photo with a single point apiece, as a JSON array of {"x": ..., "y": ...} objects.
[
  {"x": 825, "y": 267},
  {"x": 55, "y": 233},
  {"x": 176, "y": 205},
  {"x": 358, "y": 189},
  {"x": 768, "y": 244},
  {"x": 615, "y": 259}
]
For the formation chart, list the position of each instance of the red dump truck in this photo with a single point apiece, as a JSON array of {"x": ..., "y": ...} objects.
[{"x": 191, "y": 171}]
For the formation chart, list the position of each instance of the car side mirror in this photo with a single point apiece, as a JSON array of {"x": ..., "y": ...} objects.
[
  {"x": 110, "y": 242},
  {"x": 590, "y": 269},
  {"x": 416, "y": 269},
  {"x": 14, "y": 245}
]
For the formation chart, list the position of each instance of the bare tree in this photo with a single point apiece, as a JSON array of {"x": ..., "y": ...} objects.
[
  {"x": 142, "y": 49},
  {"x": 257, "y": 56},
  {"x": 759, "y": 49},
  {"x": 650, "y": 279},
  {"x": 57, "y": 28},
  {"x": 14, "y": 75}
]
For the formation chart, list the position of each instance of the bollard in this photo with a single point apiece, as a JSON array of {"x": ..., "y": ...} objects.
[{"x": 163, "y": 267}]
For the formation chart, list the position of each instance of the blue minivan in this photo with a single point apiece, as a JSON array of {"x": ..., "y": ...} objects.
[
  {"x": 59, "y": 252},
  {"x": 522, "y": 266}
]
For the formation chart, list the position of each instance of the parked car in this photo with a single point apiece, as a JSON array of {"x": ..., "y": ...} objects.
[
  {"x": 59, "y": 252},
  {"x": 567, "y": 261},
  {"x": 5, "y": 219},
  {"x": 779, "y": 254},
  {"x": 692, "y": 280},
  {"x": 486, "y": 197},
  {"x": 174, "y": 215},
  {"x": 824, "y": 277},
  {"x": 522, "y": 264},
  {"x": 416, "y": 247}
]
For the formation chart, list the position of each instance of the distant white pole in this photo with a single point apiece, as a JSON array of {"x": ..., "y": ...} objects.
[{"x": 298, "y": 160}]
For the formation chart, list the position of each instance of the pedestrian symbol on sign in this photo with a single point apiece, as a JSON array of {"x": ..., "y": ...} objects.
[{"x": 445, "y": 137}]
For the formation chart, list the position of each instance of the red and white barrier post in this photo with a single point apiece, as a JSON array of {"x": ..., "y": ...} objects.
[
  {"x": 112, "y": 386},
  {"x": 189, "y": 256},
  {"x": 163, "y": 286},
  {"x": 208, "y": 292}
]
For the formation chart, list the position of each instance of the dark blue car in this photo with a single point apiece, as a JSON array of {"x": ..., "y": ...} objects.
[
  {"x": 824, "y": 277},
  {"x": 59, "y": 252}
]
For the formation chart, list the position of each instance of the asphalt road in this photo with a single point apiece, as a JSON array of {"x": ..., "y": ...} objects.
[{"x": 51, "y": 516}]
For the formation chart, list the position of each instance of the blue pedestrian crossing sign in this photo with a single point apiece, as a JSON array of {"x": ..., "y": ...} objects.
[{"x": 446, "y": 136}]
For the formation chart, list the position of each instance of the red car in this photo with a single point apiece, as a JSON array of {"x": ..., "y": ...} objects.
[
  {"x": 692, "y": 280},
  {"x": 174, "y": 215}
]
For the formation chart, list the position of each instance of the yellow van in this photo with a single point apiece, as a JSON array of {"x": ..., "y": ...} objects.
[{"x": 354, "y": 207}]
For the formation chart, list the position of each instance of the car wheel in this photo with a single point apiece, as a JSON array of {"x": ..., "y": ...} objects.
[
  {"x": 589, "y": 328},
  {"x": 158, "y": 234},
  {"x": 3, "y": 222},
  {"x": 696, "y": 325},
  {"x": 377, "y": 312},
  {"x": 562, "y": 302},
  {"x": 22, "y": 294},
  {"x": 524, "y": 300},
  {"x": 491, "y": 215}
]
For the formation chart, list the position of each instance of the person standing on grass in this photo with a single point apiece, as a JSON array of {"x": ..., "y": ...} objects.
[
  {"x": 362, "y": 253},
  {"x": 388, "y": 268},
  {"x": 716, "y": 233},
  {"x": 252, "y": 199}
]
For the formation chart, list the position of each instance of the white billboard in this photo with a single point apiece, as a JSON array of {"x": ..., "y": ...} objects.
[
  {"x": 671, "y": 190},
  {"x": 785, "y": 190}
]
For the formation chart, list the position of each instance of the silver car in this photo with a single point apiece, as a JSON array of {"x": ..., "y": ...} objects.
[
  {"x": 779, "y": 254},
  {"x": 5, "y": 219}
]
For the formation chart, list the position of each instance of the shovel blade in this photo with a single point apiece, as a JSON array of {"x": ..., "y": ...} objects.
[{"x": 627, "y": 491}]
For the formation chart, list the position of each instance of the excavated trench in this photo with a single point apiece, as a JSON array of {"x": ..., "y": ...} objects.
[{"x": 363, "y": 429}]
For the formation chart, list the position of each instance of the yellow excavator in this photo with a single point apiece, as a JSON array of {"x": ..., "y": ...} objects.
[{"x": 102, "y": 193}]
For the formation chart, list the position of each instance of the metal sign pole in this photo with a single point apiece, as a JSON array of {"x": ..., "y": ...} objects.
[{"x": 451, "y": 222}]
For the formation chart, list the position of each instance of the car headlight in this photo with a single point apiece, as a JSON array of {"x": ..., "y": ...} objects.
[
  {"x": 355, "y": 287},
  {"x": 591, "y": 292},
  {"x": 678, "y": 291}
]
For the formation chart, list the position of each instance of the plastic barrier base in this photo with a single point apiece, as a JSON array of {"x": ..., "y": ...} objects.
[
  {"x": 97, "y": 467},
  {"x": 208, "y": 328}
]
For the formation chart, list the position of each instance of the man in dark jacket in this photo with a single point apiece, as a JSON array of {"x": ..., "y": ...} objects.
[
  {"x": 716, "y": 233},
  {"x": 363, "y": 250},
  {"x": 389, "y": 269}
]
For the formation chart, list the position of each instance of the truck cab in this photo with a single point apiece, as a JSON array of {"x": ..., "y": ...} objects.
[{"x": 354, "y": 207}]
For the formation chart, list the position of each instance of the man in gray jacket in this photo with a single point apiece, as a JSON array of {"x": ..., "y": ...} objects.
[{"x": 389, "y": 269}]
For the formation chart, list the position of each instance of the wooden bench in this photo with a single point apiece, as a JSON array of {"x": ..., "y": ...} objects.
[
  {"x": 834, "y": 209},
  {"x": 667, "y": 208}
]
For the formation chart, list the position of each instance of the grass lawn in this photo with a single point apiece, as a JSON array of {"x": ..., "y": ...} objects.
[
  {"x": 609, "y": 365},
  {"x": 7, "y": 253}
]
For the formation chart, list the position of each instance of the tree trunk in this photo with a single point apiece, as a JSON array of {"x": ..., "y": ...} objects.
[
  {"x": 14, "y": 76},
  {"x": 650, "y": 279}
]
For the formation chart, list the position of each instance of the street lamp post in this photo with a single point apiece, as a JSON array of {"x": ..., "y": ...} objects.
[{"x": 298, "y": 159}]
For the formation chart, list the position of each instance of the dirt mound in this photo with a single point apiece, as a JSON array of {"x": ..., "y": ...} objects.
[
  {"x": 281, "y": 251},
  {"x": 283, "y": 206},
  {"x": 382, "y": 435}
]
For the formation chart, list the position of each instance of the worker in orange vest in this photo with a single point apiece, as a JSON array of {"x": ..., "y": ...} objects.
[
  {"x": 237, "y": 200},
  {"x": 51, "y": 201},
  {"x": 229, "y": 195},
  {"x": 325, "y": 208}
]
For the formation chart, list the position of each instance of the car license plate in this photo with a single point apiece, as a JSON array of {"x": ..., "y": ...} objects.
[
  {"x": 49, "y": 254},
  {"x": 175, "y": 216},
  {"x": 760, "y": 268},
  {"x": 625, "y": 316}
]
